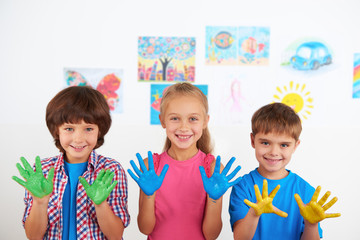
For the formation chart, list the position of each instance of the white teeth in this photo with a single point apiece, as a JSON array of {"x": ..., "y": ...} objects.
[{"x": 183, "y": 137}]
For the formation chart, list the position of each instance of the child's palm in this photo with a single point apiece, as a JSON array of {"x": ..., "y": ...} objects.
[
  {"x": 101, "y": 188},
  {"x": 264, "y": 201},
  {"x": 147, "y": 179},
  {"x": 219, "y": 183},
  {"x": 314, "y": 211},
  {"x": 35, "y": 182}
]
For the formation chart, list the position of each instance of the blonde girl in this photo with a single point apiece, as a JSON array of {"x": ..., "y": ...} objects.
[{"x": 178, "y": 198}]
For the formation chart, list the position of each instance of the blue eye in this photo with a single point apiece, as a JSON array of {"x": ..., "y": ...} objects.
[
  {"x": 284, "y": 145},
  {"x": 69, "y": 129},
  {"x": 89, "y": 129},
  {"x": 265, "y": 143}
]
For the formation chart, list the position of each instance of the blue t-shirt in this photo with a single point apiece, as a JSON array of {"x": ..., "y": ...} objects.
[
  {"x": 272, "y": 226},
  {"x": 73, "y": 171}
]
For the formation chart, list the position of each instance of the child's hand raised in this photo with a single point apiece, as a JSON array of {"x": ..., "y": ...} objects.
[
  {"x": 219, "y": 183},
  {"x": 101, "y": 188},
  {"x": 147, "y": 180},
  {"x": 314, "y": 212},
  {"x": 264, "y": 202},
  {"x": 35, "y": 182}
]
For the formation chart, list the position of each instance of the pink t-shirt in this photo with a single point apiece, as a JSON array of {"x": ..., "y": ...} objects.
[{"x": 180, "y": 201}]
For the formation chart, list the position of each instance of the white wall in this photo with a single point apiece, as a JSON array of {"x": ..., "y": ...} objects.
[{"x": 39, "y": 38}]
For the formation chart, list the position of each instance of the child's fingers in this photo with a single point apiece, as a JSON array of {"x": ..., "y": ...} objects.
[
  {"x": 112, "y": 186},
  {"x": 299, "y": 201},
  {"x": 332, "y": 215},
  {"x": 273, "y": 192},
  {"x": 217, "y": 165},
  {"x": 132, "y": 175},
  {"x": 150, "y": 161},
  {"x": 329, "y": 204},
  {"x": 109, "y": 175},
  {"x": 136, "y": 169},
  {"x": 257, "y": 193},
  {"x": 164, "y": 171},
  {"x": 38, "y": 168},
  {"x": 235, "y": 181},
  {"x": 26, "y": 165},
  {"x": 51, "y": 175},
  {"x": 228, "y": 166},
  {"x": 231, "y": 175},
  {"x": 85, "y": 184},
  {"x": 280, "y": 213},
  {"x": 25, "y": 174},
  {"x": 250, "y": 204},
  {"x": 19, "y": 181},
  {"x": 100, "y": 175},
  {"x": 203, "y": 173},
  {"x": 324, "y": 198},
  {"x": 265, "y": 189},
  {"x": 141, "y": 162},
  {"x": 316, "y": 194}
]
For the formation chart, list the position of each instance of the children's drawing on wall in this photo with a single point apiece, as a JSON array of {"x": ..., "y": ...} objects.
[
  {"x": 356, "y": 82},
  {"x": 297, "y": 97},
  {"x": 220, "y": 46},
  {"x": 106, "y": 81},
  {"x": 156, "y": 93},
  {"x": 237, "y": 45},
  {"x": 170, "y": 59},
  {"x": 308, "y": 55}
]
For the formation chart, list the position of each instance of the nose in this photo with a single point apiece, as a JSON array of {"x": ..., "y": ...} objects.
[
  {"x": 183, "y": 125},
  {"x": 274, "y": 150},
  {"x": 78, "y": 137}
]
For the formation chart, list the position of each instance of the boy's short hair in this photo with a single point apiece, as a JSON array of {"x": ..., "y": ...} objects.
[
  {"x": 74, "y": 104},
  {"x": 276, "y": 118}
]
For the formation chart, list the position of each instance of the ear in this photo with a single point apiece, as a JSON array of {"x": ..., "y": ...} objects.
[
  {"x": 252, "y": 138},
  {"x": 162, "y": 121},
  {"x": 297, "y": 143},
  {"x": 207, "y": 118}
]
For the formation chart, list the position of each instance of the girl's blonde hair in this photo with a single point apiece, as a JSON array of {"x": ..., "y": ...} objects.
[{"x": 187, "y": 89}]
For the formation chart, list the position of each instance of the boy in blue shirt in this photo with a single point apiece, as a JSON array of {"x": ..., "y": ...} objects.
[{"x": 275, "y": 136}]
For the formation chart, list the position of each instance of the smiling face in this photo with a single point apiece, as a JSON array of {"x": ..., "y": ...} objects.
[
  {"x": 273, "y": 152},
  {"x": 78, "y": 140},
  {"x": 184, "y": 119}
]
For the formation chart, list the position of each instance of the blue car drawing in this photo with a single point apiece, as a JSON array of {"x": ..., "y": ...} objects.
[{"x": 310, "y": 56}]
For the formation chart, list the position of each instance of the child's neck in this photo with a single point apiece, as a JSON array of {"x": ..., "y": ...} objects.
[{"x": 182, "y": 154}]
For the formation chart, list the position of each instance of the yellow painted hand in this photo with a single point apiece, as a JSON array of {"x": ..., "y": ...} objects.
[
  {"x": 264, "y": 202},
  {"x": 314, "y": 211}
]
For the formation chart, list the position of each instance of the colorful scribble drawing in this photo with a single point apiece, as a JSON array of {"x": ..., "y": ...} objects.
[
  {"x": 237, "y": 45},
  {"x": 356, "y": 82},
  {"x": 156, "y": 93},
  {"x": 296, "y": 97},
  {"x": 106, "y": 81},
  {"x": 170, "y": 59}
]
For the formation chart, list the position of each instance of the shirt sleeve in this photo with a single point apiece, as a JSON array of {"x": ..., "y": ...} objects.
[
  {"x": 119, "y": 196},
  {"x": 237, "y": 208}
]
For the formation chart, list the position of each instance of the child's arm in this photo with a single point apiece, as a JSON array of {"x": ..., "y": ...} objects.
[
  {"x": 37, "y": 221},
  {"x": 314, "y": 212},
  {"x": 149, "y": 182},
  {"x": 216, "y": 186},
  {"x": 246, "y": 227},
  {"x": 110, "y": 224},
  {"x": 40, "y": 189}
]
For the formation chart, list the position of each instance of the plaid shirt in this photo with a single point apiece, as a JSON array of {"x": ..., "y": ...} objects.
[{"x": 87, "y": 225}]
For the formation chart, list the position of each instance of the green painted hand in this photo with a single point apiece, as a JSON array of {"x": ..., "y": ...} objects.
[
  {"x": 101, "y": 188},
  {"x": 264, "y": 202},
  {"x": 314, "y": 211},
  {"x": 35, "y": 182}
]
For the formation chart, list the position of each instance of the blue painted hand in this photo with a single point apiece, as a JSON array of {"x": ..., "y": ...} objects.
[
  {"x": 147, "y": 179},
  {"x": 219, "y": 183}
]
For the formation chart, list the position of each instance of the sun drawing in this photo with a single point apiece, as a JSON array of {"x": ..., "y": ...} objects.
[{"x": 296, "y": 97}]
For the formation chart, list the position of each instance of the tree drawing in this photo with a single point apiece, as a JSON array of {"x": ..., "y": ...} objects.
[{"x": 166, "y": 49}]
